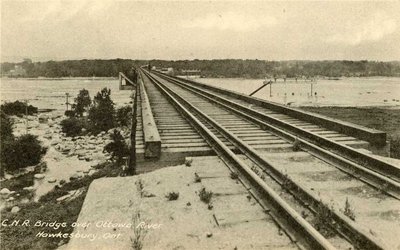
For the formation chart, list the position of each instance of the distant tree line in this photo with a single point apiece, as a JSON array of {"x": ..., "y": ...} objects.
[
  {"x": 210, "y": 68},
  {"x": 74, "y": 68},
  {"x": 261, "y": 69}
]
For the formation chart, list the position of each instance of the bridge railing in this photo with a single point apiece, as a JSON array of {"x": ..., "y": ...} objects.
[
  {"x": 151, "y": 136},
  {"x": 129, "y": 84}
]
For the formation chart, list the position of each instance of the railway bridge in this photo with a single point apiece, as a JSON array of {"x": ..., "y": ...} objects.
[
  {"x": 280, "y": 154},
  {"x": 166, "y": 135}
]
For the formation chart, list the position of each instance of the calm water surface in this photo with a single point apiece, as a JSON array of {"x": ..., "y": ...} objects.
[
  {"x": 383, "y": 91},
  {"x": 345, "y": 92},
  {"x": 45, "y": 93}
]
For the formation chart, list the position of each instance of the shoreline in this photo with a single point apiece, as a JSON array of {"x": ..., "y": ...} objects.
[{"x": 66, "y": 159}]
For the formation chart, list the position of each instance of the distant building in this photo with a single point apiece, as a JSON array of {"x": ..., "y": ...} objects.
[
  {"x": 168, "y": 71},
  {"x": 18, "y": 71}
]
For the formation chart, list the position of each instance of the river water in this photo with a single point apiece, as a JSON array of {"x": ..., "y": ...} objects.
[
  {"x": 51, "y": 93},
  {"x": 378, "y": 91},
  {"x": 382, "y": 91}
]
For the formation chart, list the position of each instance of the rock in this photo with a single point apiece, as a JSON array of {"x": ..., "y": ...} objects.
[
  {"x": 11, "y": 199},
  {"x": 71, "y": 153},
  {"x": 65, "y": 151},
  {"x": 51, "y": 180},
  {"x": 5, "y": 191},
  {"x": 43, "y": 119},
  {"x": 31, "y": 118},
  {"x": 209, "y": 234},
  {"x": 188, "y": 161},
  {"x": 15, "y": 209},
  {"x": 63, "y": 198},
  {"x": 39, "y": 176},
  {"x": 48, "y": 136},
  {"x": 92, "y": 171},
  {"x": 31, "y": 188},
  {"x": 62, "y": 182},
  {"x": 76, "y": 176},
  {"x": 41, "y": 167},
  {"x": 80, "y": 152},
  {"x": 71, "y": 195},
  {"x": 148, "y": 194},
  {"x": 98, "y": 157}
]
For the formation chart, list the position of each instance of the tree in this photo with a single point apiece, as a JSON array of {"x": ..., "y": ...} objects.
[
  {"x": 101, "y": 114},
  {"x": 118, "y": 147},
  {"x": 6, "y": 134},
  {"x": 71, "y": 126},
  {"x": 124, "y": 115},
  {"x": 82, "y": 102},
  {"x": 22, "y": 152},
  {"x": 18, "y": 108},
  {"x": 6, "y": 131}
]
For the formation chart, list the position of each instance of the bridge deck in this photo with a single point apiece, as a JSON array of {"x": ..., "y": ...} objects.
[{"x": 179, "y": 139}]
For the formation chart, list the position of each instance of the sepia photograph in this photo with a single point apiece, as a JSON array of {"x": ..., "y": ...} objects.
[{"x": 191, "y": 125}]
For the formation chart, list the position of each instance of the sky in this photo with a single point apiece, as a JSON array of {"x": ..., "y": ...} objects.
[{"x": 176, "y": 30}]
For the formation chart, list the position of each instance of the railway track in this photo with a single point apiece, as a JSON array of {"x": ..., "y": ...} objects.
[
  {"x": 366, "y": 167},
  {"x": 225, "y": 127}
]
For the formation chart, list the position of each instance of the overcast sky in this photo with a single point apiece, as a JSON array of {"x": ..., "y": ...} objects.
[{"x": 57, "y": 30}]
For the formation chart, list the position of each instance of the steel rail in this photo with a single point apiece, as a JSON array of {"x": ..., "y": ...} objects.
[
  {"x": 281, "y": 211},
  {"x": 373, "y": 178},
  {"x": 375, "y": 137},
  {"x": 366, "y": 160},
  {"x": 343, "y": 225}
]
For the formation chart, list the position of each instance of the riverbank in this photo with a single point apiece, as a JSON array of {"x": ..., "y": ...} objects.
[
  {"x": 380, "y": 118},
  {"x": 54, "y": 189},
  {"x": 66, "y": 158}
]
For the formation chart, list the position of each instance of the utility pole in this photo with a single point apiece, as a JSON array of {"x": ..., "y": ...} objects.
[
  {"x": 26, "y": 116},
  {"x": 311, "y": 84},
  {"x": 67, "y": 103},
  {"x": 270, "y": 88}
]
